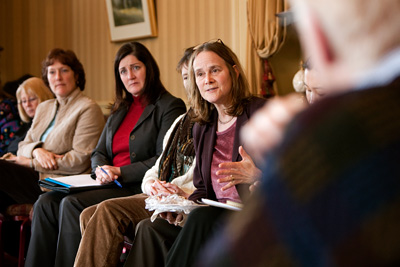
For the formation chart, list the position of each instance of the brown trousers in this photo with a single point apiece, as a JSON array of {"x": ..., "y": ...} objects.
[{"x": 104, "y": 226}]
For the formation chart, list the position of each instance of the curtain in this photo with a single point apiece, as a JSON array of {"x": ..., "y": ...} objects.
[{"x": 266, "y": 34}]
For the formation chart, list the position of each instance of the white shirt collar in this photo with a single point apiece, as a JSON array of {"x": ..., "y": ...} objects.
[{"x": 383, "y": 73}]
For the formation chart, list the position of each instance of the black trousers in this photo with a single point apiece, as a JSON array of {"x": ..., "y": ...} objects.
[
  {"x": 163, "y": 244},
  {"x": 55, "y": 226},
  {"x": 18, "y": 184},
  {"x": 152, "y": 242},
  {"x": 201, "y": 225}
]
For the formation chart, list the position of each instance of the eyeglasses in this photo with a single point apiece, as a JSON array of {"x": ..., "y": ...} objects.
[
  {"x": 209, "y": 42},
  {"x": 30, "y": 100}
]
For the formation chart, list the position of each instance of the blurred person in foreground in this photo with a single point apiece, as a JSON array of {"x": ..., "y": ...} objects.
[{"x": 330, "y": 191}]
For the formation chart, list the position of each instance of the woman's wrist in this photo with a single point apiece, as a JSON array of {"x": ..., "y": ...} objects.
[
  {"x": 147, "y": 186},
  {"x": 34, "y": 152}
]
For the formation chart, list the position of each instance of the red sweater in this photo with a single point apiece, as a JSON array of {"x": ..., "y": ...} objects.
[{"x": 120, "y": 145}]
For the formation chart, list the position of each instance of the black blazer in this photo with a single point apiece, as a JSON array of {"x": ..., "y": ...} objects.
[
  {"x": 146, "y": 138},
  {"x": 204, "y": 139}
]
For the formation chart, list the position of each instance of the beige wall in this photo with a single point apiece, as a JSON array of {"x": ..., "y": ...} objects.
[
  {"x": 286, "y": 62},
  {"x": 30, "y": 28}
]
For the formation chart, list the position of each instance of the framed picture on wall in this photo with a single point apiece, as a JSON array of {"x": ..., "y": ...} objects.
[{"x": 131, "y": 19}]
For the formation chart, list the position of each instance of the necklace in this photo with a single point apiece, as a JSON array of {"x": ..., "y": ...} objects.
[{"x": 225, "y": 122}]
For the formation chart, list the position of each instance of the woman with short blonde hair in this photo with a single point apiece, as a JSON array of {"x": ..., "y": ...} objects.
[
  {"x": 29, "y": 94},
  {"x": 35, "y": 90}
]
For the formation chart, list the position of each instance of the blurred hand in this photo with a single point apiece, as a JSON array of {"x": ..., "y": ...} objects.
[
  {"x": 46, "y": 159},
  {"x": 20, "y": 160},
  {"x": 241, "y": 172},
  {"x": 254, "y": 186},
  {"x": 266, "y": 127},
  {"x": 149, "y": 188},
  {"x": 112, "y": 174},
  {"x": 8, "y": 156},
  {"x": 172, "y": 217},
  {"x": 157, "y": 187},
  {"x": 174, "y": 189}
]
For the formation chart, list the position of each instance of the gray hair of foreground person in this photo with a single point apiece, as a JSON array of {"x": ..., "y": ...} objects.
[{"x": 359, "y": 33}]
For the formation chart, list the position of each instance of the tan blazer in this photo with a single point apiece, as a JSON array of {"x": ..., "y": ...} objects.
[{"x": 77, "y": 128}]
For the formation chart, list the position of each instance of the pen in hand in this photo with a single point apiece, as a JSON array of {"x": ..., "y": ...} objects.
[{"x": 115, "y": 181}]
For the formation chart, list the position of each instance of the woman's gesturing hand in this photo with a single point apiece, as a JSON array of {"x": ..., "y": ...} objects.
[{"x": 241, "y": 172}]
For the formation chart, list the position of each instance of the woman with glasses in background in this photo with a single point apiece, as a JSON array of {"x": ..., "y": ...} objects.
[
  {"x": 129, "y": 145},
  {"x": 30, "y": 94},
  {"x": 63, "y": 134}
]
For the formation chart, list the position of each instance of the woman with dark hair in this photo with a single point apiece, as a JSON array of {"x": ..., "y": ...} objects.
[
  {"x": 130, "y": 144},
  {"x": 152, "y": 87},
  {"x": 63, "y": 134},
  {"x": 222, "y": 104},
  {"x": 117, "y": 218}
]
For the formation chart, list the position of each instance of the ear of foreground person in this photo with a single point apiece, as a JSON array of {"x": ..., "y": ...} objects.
[{"x": 329, "y": 195}]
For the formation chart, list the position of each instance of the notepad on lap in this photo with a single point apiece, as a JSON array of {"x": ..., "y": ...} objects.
[
  {"x": 230, "y": 205},
  {"x": 73, "y": 183}
]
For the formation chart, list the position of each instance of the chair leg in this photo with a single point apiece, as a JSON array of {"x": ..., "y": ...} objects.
[{"x": 22, "y": 241}]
